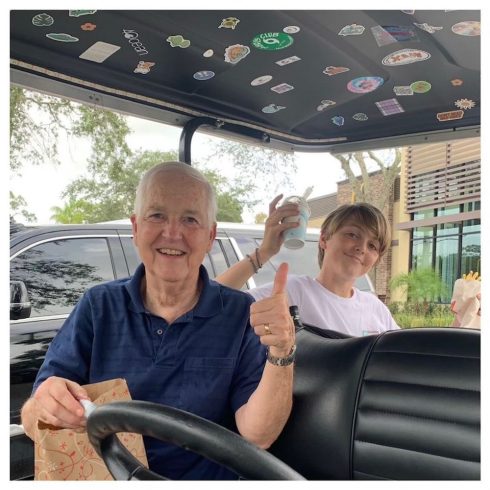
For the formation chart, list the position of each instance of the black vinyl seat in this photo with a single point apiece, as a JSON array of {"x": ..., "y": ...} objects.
[{"x": 403, "y": 405}]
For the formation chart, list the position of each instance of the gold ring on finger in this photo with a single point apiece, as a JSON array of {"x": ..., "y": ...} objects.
[{"x": 267, "y": 329}]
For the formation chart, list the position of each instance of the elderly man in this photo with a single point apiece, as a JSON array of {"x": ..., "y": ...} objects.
[{"x": 176, "y": 337}]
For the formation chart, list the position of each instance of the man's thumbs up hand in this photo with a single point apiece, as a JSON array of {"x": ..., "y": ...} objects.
[{"x": 270, "y": 317}]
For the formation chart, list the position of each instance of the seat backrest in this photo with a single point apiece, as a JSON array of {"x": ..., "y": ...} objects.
[{"x": 403, "y": 405}]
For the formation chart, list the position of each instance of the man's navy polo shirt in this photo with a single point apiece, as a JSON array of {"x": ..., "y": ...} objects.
[{"x": 208, "y": 362}]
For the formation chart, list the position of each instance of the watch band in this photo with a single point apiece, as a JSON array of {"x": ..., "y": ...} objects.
[{"x": 282, "y": 361}]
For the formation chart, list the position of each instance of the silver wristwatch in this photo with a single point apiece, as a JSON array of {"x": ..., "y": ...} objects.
[{"x": 282, "y": 361}]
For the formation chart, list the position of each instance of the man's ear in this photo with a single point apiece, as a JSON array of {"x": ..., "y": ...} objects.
[
  {"x": 212, "y": 236},
  {"x": 322, "y": 242},
  {"x": 134, "y": 226}
]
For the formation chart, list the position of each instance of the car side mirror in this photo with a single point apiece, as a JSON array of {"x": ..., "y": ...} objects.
[{"x": 20, "y": 306}]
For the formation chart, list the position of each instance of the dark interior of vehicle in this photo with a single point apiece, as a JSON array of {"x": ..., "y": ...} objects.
[{"x": 403, "y": 405}]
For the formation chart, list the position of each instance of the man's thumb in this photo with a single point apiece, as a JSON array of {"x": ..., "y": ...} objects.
[{"x": 280, "y": 279}]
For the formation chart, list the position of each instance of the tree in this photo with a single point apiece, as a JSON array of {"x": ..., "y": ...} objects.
[
  {"x": 422, "y": 286},
  {"x": 76, "y": 211},
  {"x": 260, "y": 218},
  {"x": 18, "y": 207},
  {"x": 389, "y": 165}
]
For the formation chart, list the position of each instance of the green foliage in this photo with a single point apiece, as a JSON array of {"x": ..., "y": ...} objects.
[
  {"x": 407, "y": 315},
  {"x": 260, "y": 218},
  {"x": 74, "y": 212},
  {"x": 18, "y": 207}
]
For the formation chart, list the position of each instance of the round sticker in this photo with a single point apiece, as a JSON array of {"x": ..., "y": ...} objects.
[
  {"x": 363, "y": 85},
  {"x": 203, "y": 75},
  {"x": 360, "y": 116},
  {"x": 291, "y": 29},
  {"x": 261, "y": 80},
  {"x": 420, "y": 87},
  {"x": 468, "y": 28},
  {"x": 208, "y": 53},
  {"x": 272, "y": 41}
]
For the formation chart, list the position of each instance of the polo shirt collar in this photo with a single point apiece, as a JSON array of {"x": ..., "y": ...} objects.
[{"x": 210, "y": 301}]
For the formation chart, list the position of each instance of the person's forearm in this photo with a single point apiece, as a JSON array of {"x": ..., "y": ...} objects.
[
  {"x": 263, "y": 417},
  {"x": 29, "y": 416}
]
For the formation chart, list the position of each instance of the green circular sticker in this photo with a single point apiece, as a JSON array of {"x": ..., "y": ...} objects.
[
  {"x": 272, "y": 41},
  {"x": 420, "y": 87}
]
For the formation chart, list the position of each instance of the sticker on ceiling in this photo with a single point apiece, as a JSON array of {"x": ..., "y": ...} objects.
[
  {"x": 203, "y": 75},
  {"x": 427, "y": 28},
  {"x": 352, "y": 30},
  {"x": 236, "y": 53},
  {"x": 467, "y": 28},
  {"x": 449, "y": 115},
  {"x": 271, "y": 108},
  {"x": 405, "y": 57},
  {"x": 282, "y": 87},
  {"x": 288, "y": 61},
  {"x": 338, "y": 120},
  {"x": 324, "y": 104},
  {"x": 42, "y": 20},
  {"x": 360, "y": 116},
  {"x": 389, "y": 107},
  {"x": 79, "y": 13},
  {"x": 464, "y": 104},
  {"x": 261, "y": 80},
  {"x": 272, "y": 41},
  {"x": 385, "y": 35},
  {"x": 208, "y": 53},
  {"x": 401, "y": 90},
  {"x": 420, "y": 87},
  {"x": 229, "y": 23},
  {"x": 133, "y": 39},
  {"x": 291, "y": 29},
  {"x": 144, "y": 67},
  {"x": 99, "y": 52},
  {"x": 178, "y": 41},
  {"x": 335, "y": 70},
  {"x": 62, "y": 37},
  {"x": 456, "y": 82},
  {"x": 363, "y": 85},
  {"x": 88, "y": 26}
]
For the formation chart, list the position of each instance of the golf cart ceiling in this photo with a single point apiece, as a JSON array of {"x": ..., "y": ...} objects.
[{"x": 327, "y": 80}]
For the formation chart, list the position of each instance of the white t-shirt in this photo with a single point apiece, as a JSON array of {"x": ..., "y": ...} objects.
[{"x": 361, "y": 314}]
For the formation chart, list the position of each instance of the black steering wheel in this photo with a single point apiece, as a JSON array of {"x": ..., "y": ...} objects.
[{"x": 183, "y": 429}]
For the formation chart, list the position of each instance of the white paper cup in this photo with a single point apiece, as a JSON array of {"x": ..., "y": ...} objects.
[{"x": 294, "y": 238}]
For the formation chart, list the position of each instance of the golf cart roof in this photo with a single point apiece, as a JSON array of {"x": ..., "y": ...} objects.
[{"x": 327, "y": 80}]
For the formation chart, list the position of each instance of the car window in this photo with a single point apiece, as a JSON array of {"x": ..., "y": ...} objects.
[
  {"x": 131, "y": 253},
  {"x": 58, "y": 272}
]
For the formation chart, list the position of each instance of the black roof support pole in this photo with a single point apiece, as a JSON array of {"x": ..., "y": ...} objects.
[{"x": 194, "y": 124}]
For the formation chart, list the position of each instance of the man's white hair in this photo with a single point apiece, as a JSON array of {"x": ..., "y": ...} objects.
[{"x": 184, "y": 168}]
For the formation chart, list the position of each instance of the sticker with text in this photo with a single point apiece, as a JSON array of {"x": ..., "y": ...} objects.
[
  {"x": 335, "y": 70},
  {"x": 229, "y": 23},
  {"x": 272, "y": 41},
  {"x": 405, "y": 57},
  {"x": 62, "y": 37},
  {"x": 288, "y": 61},
  {"x": 178, "y": 41},
  {"x": 427, "y": 28},
  {"x": 363, "y": 85},
  {"x": 203, "y": 75},
  {"x": 467, "y": 28},
  {"x": 324, "y": 104},
  {"x": 144, "y": 67},
  {"x": 134, "y": 41},
  {"x": 261, "y": 80},
  {"x": 236, "y": 53},
  {"x": 401, "y": 90},
  {"x": 352, "y": 30},
  {"x": 449, "y": 115},
  {"x": 282, "y": 87},
  {"x": 389, "y": 107},
  {"x": 42, "y": 20},
  {"x": 271, "y": 108},
  {"x": 79, "y": 13}
]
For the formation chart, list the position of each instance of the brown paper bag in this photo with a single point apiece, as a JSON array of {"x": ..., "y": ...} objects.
[{"x": 62, "y": 454}]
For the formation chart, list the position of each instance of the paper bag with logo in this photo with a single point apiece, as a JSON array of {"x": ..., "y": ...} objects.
[{"x": 62, "y": 454}]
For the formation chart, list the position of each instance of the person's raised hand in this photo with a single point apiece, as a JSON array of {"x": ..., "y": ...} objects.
[
  {"x": 270, "y": 317},
  {"x": 275, "y": 227},
  {"x": 58, "y": 405}
]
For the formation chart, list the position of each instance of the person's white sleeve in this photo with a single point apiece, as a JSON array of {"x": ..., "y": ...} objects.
[{"x": 261, "y": 292}]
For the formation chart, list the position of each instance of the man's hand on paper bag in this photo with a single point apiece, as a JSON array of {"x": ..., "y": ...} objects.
[{"x": 58, "y": 405}]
